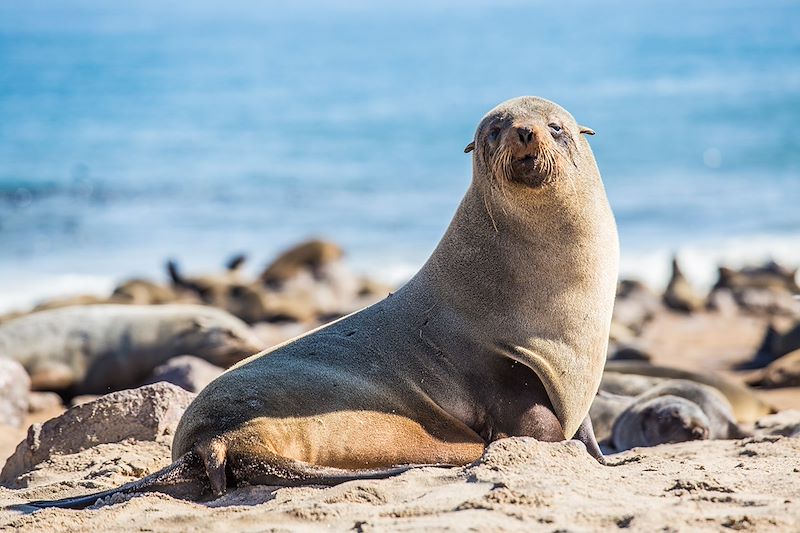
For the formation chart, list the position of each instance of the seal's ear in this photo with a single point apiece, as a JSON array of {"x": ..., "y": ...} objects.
[
  {"x": 470, "y": 147},
  {"x": 584, "y": 129}
]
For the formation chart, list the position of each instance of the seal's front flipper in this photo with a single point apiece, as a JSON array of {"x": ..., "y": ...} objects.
[
  {"x": 585, "y": 434},
  {"x": 184, "y": 478}
]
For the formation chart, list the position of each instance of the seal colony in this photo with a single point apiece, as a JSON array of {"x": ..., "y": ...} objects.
[{"x": 503, "y": 332}]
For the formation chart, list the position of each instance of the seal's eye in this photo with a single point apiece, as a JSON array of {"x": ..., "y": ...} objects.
[
  {"x": 493, "y": 134},
  {"x": 555, "y": 128}
]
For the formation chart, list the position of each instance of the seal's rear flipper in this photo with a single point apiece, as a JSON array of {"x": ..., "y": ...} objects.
[
  {"x": 585, "y": 434},
  {"x": 185, "y": 478}
]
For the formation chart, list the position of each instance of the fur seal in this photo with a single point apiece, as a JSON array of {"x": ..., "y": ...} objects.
[
  {"x": 503, "y": 332},
  {"x": 746, "y": 405},
  {"x": 675, "y": 411},
  {"x": 635, "y": 306},
  {"x": 605, "y": 409},
  {"x": 783, "y": 372},
  {"x": 767, "y": 289},
  {"x": 628, "y": 384},
  {"x": 95, "y": 349},
  {"x": 679, "y": 294},
  {"x": 309, "y": 256}
]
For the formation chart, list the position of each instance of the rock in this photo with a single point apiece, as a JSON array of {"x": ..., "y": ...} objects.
[
  {"x": 82, "y": 399},
  {"x": 679, "y": 294},
  {"x": 149, "y": 413},
  {"x": 40, "y": 402},
  {"x": 14, "y": 390},
  {"x": 783, "y": 372},
  {"x": 785, "y": 423},
  {"x": 186, "y": 371}
]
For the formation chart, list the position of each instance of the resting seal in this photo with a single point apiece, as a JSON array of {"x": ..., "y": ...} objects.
[
  {"x": 747, "y": 406},
  {"x": 675, "y": 411},
  {"x": 95, "y": 349},
  {"x": 503, "y": 332}
]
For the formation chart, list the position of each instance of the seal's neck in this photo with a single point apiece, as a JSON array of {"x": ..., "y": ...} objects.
[{"x": 498, "y": 269}]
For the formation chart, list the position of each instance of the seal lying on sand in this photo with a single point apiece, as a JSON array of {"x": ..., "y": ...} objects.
[
  {"x": 783, "y": 372},
  {"x": 747, "y": 406},
  {"x": 95, "y": 349},
  {"x": 605, "y": 409},
  {"x": 502, "y": 332},
  {"x": 675, "y": 411}
]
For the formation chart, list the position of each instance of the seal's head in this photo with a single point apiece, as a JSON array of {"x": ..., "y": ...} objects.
[
  {"x": 529, "y": 142},
  {"x": 669, "y": 419},
  {"x": 220, "y": 338}
]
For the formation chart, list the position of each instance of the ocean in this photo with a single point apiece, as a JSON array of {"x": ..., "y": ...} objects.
[{"x": 135, "y": 132}]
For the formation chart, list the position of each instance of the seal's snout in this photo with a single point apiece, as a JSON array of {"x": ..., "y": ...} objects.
[
  {"x": 525, "y": 135},
  {"x": 526, "y": 138},
  {"x": 698, "y": 433}
]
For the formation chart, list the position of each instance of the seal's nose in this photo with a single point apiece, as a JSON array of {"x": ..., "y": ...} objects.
[
  {"x": 525, "y": 135},
  {"x": 699, "y": 433}
]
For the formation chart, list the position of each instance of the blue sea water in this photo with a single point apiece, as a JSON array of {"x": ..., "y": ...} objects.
[{"x": 132, "y": 132}]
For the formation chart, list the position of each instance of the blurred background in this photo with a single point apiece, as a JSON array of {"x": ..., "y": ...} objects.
[{"x": 196, "y": 130}]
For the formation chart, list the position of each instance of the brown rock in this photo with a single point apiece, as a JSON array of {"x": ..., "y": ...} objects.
[
  {"x": 148, "y": 413},
  {"x": 14, "y": 389},
  {"x": 187, "y": 372}
]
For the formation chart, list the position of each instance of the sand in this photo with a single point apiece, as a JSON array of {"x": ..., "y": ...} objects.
[{"x": 519, "y": 484}]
